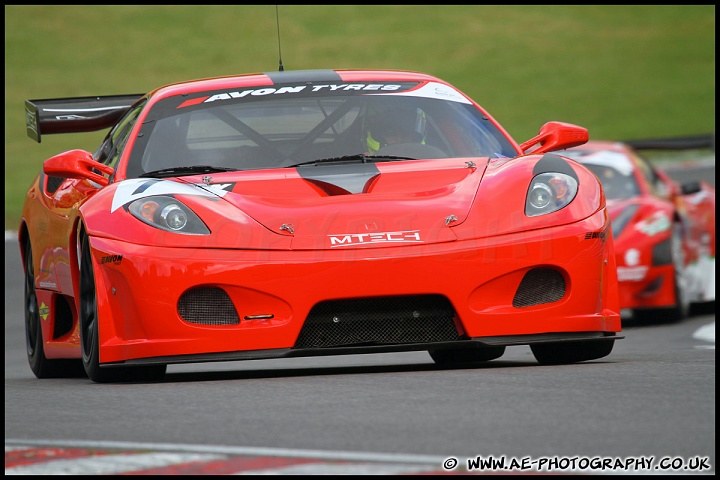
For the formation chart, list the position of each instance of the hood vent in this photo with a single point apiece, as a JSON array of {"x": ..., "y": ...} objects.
[{"x": 341, "y": 179}]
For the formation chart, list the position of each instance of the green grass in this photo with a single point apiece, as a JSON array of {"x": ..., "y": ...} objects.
[{"x": 623, "y": 72}]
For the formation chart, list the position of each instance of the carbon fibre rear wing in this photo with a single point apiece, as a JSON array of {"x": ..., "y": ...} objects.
[{"x": 75, "y": 115}]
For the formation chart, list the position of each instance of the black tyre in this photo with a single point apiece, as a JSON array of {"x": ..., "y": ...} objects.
[
  {"x": 451, "y": 356},
  {"x": 702, "y": 308},
  {"x": 681, "y": 309},
  {"x": 40, "y": 365},
  {"x": 571, "y": 352},
  {"x": 89, "y": 332}
]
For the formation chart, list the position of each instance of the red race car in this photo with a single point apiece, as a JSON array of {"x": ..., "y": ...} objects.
[
  {"x": 664, "y": 232},
  {"x": 310, "y": 212}
]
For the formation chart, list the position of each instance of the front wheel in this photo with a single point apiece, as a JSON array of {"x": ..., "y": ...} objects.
[
  {"x": 90, "y": 335},
  {"x": 571, "y": 352}
]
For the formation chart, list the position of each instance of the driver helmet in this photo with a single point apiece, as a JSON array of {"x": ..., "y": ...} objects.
[{"x": 395, "y": 126}]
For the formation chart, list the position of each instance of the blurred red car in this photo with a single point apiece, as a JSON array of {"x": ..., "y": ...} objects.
[{"x": 664, "y": 232}]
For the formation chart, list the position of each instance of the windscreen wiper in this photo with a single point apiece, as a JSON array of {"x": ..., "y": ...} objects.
[
  {"x": 355, "y": 157},
  {"x": 180, "y": 171}
]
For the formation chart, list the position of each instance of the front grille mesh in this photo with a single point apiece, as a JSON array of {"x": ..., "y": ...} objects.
[
  {"x": 207, "y": 306},
  {"x": 539, "y": 285},
  {"x": 379, "y": 321}
]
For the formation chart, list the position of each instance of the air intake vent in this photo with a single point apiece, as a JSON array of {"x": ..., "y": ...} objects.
[
  {"x": 207, "y": 306},
  {"x": 540, "y": 285},
  {"x": 63, "y": 317},
  {"x": 379, "y": 321},
  {"x": 53, "y": 183}
]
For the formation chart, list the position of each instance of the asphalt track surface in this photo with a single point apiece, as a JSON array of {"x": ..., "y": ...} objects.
[{"x": 647, "y": 407}]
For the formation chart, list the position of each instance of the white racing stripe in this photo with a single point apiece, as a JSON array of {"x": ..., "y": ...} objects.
[{"x": 110, "y": 464}]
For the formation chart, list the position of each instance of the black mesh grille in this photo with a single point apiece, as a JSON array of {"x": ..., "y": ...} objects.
[
  {"x": 53, "y": 183},
  {"x": 379, "y": 321},
  {"x": 540, "y": 285},
  {"x": 207, "y": 306}
]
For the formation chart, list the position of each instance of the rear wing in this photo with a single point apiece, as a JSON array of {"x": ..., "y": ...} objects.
[
  {"x": 75, "y": 115},
  {"x": 675, "y": 143}
]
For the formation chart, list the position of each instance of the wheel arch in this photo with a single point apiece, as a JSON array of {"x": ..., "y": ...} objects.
[
  {"x": 23, "y": 237},
  {"x": 74, "y": 246}
]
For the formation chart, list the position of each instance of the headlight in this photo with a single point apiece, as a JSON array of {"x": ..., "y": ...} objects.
[
  {"x": 549, "y": 192},
  {"x": 168, "y": 213}
]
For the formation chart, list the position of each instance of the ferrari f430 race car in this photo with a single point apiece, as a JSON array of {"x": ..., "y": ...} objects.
[
  {"x": 309, "y": 212},
  {"x": 663, "y": 231}
]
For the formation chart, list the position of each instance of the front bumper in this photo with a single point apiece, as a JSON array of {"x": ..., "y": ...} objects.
[{"x": 138, "y": 289}]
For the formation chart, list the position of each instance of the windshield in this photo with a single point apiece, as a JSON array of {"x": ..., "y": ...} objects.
[
  {"x": 245, "y": 132},
  {"x": 615, "y": 171}
]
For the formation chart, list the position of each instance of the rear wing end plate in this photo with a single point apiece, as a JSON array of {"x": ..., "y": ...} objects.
[{"x": 75, "y": 115}]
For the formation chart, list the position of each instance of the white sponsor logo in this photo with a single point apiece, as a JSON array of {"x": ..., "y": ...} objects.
[
  {"x": 69, "y": 117},
  {"x": 431, "y": 90},
  {"x": 354, "y": 239},
  {"x": 632, "y": 257},
  {"x": 657, "y": 223},
  {"x": 437, "y": 90},
  {"x": 313, "y": 88},
  {"x": 632, "y": 274},
  {"x": 135, "y": 188}
]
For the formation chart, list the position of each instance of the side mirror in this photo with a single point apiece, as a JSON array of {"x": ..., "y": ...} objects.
[
  {"x": 77, "y": 164},
  {"x": 556, "y": 136}
]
